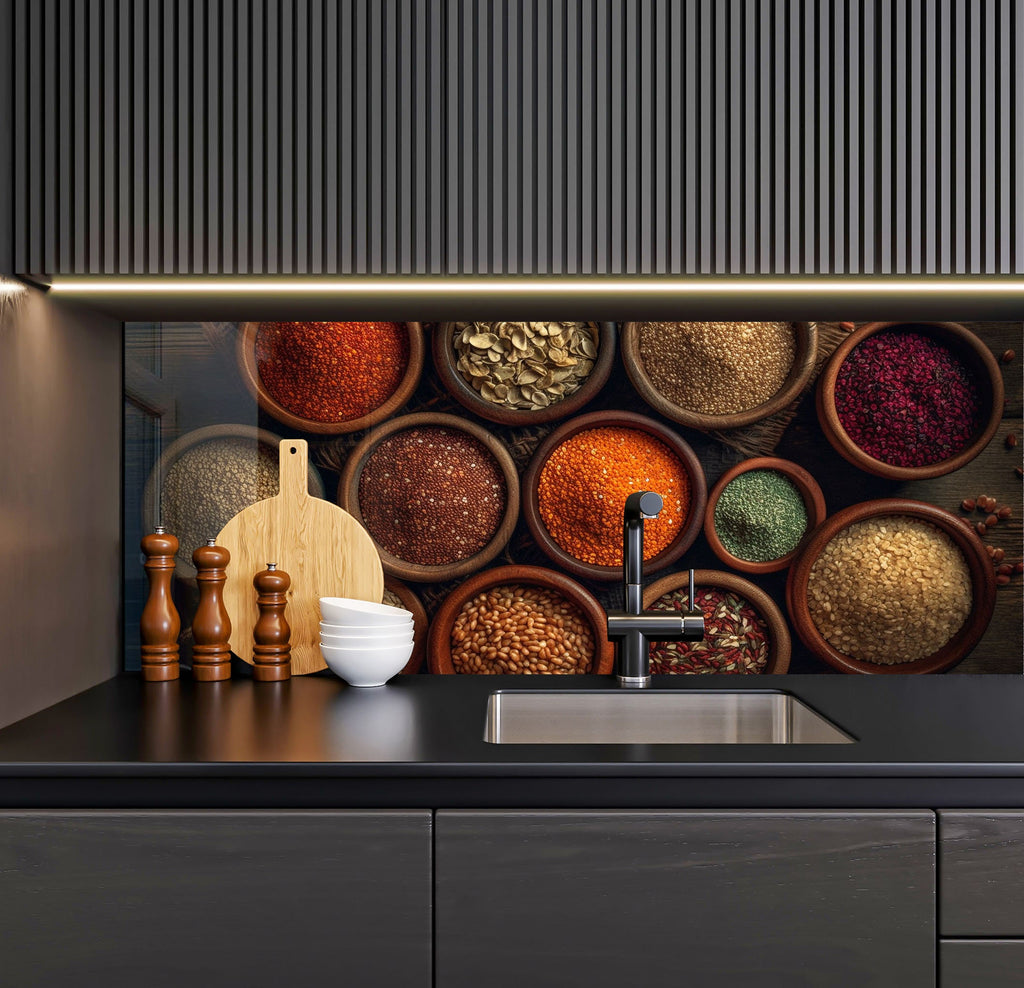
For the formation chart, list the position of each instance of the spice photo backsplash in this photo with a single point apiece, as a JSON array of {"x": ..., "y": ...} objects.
[{"x": 451, "y": 487}]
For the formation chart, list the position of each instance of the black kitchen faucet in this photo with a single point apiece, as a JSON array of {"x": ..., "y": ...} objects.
[{"x": 633, "y": 628}]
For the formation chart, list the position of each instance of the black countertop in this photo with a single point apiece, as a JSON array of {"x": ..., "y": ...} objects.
[{"x": 922, "y": 741}]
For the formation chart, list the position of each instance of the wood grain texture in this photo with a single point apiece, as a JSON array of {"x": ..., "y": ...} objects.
[
  {"x": 261, "y": 899},
  {"x": 981, "y": 873},
  {"x": 981, "y": 963},
  {"x": 1001, "y": 648},
  {"x": 707, "y": 899},
  {"x": 324, "y": 549}
]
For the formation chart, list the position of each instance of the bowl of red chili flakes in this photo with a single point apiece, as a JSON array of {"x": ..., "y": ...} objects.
[
  {"x": 744, "y": 630},
  {"x": 331, "y": 377}
]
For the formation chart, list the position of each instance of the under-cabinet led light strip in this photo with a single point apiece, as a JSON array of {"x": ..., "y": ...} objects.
[{"x": 882, "y": 285}]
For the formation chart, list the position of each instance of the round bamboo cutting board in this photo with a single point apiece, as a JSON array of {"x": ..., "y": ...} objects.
[{"x": 325, "y": 551}]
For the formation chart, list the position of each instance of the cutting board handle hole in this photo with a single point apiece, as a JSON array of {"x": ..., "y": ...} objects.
[{"x": 293, "y": 450}]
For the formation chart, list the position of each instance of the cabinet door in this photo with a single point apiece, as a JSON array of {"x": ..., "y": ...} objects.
[
  {"x": 684, "y": 898},
  {"x": 170, "y": 899},
  {"x": 981, "y": 858},
  {"x": 981, "y": 963}
]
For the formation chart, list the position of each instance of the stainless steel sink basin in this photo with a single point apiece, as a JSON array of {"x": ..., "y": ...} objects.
[{"x": 655, "y": 717}]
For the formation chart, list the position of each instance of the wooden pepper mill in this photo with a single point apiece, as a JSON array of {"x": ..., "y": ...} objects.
[
  {"x": 160, "y": 623},
  {"x": 211, "y": 628},
  {"x": 271, "y": 651}
]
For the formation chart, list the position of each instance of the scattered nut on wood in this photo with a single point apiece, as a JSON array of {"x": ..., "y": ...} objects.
[
  {"x": 1004, "y": 512},
  {"x": 980, "y": 528},
  {"x": 968, "y": 504},
  {"x": 1011, "y": 440},
  {"x": 1007, "y": 356},
  {"x": 998, "y": 555},
  {"x": 1002, "y": 580}
]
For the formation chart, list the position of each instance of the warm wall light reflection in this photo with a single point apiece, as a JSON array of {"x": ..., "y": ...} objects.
[
  {"x": 556, "y": 285},
  {"x": 8, "y": 287}
]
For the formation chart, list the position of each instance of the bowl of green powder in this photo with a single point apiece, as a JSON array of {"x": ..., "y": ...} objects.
[{"x": 759, "y": 513}]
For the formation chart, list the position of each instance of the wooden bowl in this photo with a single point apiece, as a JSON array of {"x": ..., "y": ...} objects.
[
  {"x": 348, "y": 495},
  {"x": 779, "y": 643},
  {"x": 806, "y": 338},
  {"x": 445, "y": 360},
  {"x": 183, "y": 567},
  {"x": 246, "y": 353},
  {"x": 814, "y": 502},
  {"x": 978, "y": 563},
  {"x": 419, "y": 622},
  {"x": 593, "y": 420},
  {"x": 534, "y": 576},
  {"x": 966, "y": 346}
]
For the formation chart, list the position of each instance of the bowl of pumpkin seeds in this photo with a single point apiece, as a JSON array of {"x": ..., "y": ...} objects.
[{"x": 521, "y": 373}]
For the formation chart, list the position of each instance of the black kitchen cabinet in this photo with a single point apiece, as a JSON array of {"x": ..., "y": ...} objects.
[
  {"x": 981, "y": 963},
  {"x": 981, "y": 858},
  {"x": 166, "y": 899},
  {"x": 528, "y": 137},
  {"x": 698, "y": 898}
]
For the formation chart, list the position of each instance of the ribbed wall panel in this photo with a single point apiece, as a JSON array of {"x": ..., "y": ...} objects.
[{"x": 518, "y": 136}]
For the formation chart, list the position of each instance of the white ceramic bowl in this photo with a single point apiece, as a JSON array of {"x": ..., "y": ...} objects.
[
  {"x": 375, "y": 631},
  {"x": 359, "y": 641},
  {"x": 366, "y": 666},
  {"x": 345, "y": 610}
]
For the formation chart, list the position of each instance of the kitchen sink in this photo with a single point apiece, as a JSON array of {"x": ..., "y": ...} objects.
[{"x": 655, "y": 717}]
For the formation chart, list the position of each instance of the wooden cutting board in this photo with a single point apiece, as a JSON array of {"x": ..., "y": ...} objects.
[{"x": 325, "y": 551}]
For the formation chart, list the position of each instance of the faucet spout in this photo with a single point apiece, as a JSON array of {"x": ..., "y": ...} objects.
[{"x": 640, "y": 505}]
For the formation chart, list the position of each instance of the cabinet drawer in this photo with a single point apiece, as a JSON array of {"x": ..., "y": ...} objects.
[
  {"x": 981, "y": 873},
  {"x": 981, "y": 963},
  {"x": 703, "y": 899},
  {"x": 257, "y": 898}
]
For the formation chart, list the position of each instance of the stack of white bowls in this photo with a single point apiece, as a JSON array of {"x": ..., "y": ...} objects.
[{"x": 362, "y": 642}]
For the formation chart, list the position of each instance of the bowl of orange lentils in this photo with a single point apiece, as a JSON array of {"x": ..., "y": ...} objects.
[
  {"x": 576, "y": 484},
  {"x": 330, "y": 378}
]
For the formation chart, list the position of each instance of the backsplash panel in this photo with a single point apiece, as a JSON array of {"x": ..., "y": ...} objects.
[{"x": 186, "y": 377}]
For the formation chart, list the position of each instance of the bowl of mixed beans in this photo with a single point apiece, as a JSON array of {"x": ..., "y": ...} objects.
[{"x": 744, "y": 630}]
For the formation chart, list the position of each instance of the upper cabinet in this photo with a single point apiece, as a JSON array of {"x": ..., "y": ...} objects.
[{"x": 516, "y": 136}]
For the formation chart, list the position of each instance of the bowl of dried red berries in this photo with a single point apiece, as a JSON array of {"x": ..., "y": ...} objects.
[{"x": 911, "y": 400}]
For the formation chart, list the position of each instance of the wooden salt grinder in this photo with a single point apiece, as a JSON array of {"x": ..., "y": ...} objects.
[
  {"x": 211, "y": 628},
  {"x": 160, "y": 624},
  {"x": 271, "y": 651}
]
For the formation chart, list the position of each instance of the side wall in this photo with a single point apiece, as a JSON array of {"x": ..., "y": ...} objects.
[{"x": 60, "y": 502}]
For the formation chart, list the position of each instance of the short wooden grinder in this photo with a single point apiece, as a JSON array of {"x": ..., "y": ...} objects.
[{"x": 271, "y": 650}]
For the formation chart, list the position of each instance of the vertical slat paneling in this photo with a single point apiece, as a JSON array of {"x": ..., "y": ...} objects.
[{"x": 517, "y": 136}]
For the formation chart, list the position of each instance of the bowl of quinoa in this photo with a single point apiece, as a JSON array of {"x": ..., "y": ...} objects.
[
  {"x": 891, "y": 586},
  {"x": 910, "y": 401},
  {"x": 744, "y": 630},
  {"x": 719, "y": 375},
  {"x": 438, "y": 494}
]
